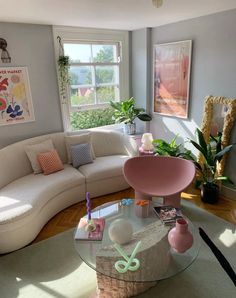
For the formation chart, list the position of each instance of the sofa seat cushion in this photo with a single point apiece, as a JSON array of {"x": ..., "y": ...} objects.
[
  {"x": 104, "y": 167},
  {"x": 31, "y": 192}
]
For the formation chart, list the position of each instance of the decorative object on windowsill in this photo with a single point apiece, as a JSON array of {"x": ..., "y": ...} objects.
[
  {"x": 63, "y": 63},
  {"x": 131, "y": 263},
  {"x": 180, "y": 238},
  {"x": 157, "y": 3},
  {"x": 120, "y": 231},
  {"x": 212, "y": 154},
  {"x": 126, "y": 112},
  {"x": 126, "y": 202},
  {"x": 5, "y": 57},
  {"x": 142, "y": 208}
]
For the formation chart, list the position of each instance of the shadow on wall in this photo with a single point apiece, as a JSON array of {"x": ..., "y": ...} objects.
[{"x": 167, "y": 128}]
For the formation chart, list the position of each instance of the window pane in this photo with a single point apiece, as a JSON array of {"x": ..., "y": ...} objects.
[
  {"x": 81, "y": 75},
  {"x": 82, "y": 96},
  {"x": 104, "y": 53},
  {"x": 91, "y": 118},
  {"x": 78, "y": 52},
  {"x": 105, "y": 94},
  {"x": 107, "y": 75}
]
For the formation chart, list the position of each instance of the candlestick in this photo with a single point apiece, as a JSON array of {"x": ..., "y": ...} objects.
[{"x": 88, "y": 204}]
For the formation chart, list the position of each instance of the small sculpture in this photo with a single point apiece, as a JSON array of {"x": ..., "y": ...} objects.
[
  {"x": 130, "y": 263},
  {"x": 120, "y": 231},
  {"x": 126, "y": 202},
  {"x": 91, "y": 226},
  {"x": 146, "y": 141}
]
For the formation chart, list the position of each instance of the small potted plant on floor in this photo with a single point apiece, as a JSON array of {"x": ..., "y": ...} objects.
[
  {"x": 212, "y": 153},
  {"x": 126, "y": 112}
]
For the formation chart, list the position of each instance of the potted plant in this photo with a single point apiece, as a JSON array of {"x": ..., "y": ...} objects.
[
  {"x": 161, "y": 147},
  {"x": 212, "y": 153},
  {"x": 126, "y": 112}
]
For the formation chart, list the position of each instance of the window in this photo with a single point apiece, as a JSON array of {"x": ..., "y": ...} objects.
[
  {"x": 94, "y": 73},
  {"x": 99, "y": 71}
]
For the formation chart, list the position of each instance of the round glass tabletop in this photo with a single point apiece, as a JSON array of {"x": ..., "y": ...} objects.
[{"x": 156, "y": 262}]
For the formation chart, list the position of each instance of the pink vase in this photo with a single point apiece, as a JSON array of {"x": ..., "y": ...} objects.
[{"x": 179, "y": 237}]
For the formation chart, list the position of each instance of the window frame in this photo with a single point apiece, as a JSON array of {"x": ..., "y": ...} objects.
[
  {"x": 94, "y": 84},
  {"x": 88, "y": 35}
]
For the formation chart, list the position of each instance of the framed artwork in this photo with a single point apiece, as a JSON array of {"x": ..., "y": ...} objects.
[
  {"x": 15, "y": 96},
  {"x": 172, "y": 63}
]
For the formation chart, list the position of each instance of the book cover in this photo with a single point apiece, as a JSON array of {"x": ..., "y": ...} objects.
[
  {"x": 82, "y": 234},
  {"x": 168, "y": 214}
]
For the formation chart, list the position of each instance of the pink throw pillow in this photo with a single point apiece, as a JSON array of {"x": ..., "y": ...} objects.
[{"x": 50, "y": 162}]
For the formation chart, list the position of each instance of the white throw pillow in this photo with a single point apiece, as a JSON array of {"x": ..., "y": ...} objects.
[
  {"x": 33, "y": 150},
  {"x": 76, "y": 140}
]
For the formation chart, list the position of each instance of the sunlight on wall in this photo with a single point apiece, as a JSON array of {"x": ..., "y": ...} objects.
[{"x": 228, "y": 237}]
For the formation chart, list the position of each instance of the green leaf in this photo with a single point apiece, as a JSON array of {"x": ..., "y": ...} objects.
[
  {"x": 220, "y": 154},
  {"x": 199, "y": 148},
  {"x": 201, "y": 140},
  {"x": 224, "y": 178},
  {"x": 144, "y": 117}
]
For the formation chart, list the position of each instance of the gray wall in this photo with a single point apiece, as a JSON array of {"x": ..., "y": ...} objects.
[
  {"x": 213, "y": 72},
  {"x": 32, "y": 46},
  {"x": 141, "y": 59}
]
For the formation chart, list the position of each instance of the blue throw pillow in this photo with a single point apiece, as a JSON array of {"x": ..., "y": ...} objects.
[{"x": 81, "y": 154}]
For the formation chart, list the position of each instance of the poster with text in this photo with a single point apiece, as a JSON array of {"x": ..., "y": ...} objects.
[
  {"x": 15, "y": 96},
  {"x": 171, "y": 78}
]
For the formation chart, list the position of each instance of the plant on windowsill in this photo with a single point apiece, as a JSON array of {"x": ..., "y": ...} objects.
[
  {"x": 126, "y": 112},
  {"x": 213, "y": 153}
]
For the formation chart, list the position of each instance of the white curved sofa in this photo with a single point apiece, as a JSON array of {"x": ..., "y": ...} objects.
[{"x": 28, "y": 201}]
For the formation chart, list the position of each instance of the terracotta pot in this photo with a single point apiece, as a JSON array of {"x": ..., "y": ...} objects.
[
  {"x": 210, "y": 193},
  {"x": 179, "y": 237}
]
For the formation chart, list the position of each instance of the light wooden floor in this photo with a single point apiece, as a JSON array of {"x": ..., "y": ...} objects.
[{"x": 69, "y": 217}]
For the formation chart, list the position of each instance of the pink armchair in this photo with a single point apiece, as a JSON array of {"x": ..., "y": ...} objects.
[{"x": 160, "y": 176}]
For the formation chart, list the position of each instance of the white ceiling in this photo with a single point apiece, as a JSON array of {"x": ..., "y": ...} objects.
[{"x": 112, "y": 14}]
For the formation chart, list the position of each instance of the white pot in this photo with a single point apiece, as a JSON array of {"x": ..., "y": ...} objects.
[{"x": 130, "y": 128}]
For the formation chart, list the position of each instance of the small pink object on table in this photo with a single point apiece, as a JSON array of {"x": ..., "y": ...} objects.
[
  {"x": 143, "y": 152},
  {"x": 179, "y": 237},
  {"x": 159, "y": 176}
]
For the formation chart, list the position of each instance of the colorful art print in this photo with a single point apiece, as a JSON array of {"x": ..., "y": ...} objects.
[
  {"x": 168, "y": 214},
  {"x": 15, "y": 96},
  {"x": 171, "y": 78}
]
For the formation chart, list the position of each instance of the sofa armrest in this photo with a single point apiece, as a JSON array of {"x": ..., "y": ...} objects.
[{"x": 130, "y": 146}]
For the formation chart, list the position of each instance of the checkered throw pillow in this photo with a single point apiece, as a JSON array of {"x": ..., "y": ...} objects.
[
  {"x": 50, "y": 162},
  {"x": 81, "y": 154}
]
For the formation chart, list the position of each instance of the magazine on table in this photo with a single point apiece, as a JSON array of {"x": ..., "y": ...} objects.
[
  {"x": 96, "y": 235},
  {"x": 168, "y": 214}
]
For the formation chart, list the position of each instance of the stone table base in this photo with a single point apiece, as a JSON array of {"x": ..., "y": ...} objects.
[{"x": 113, "y": 288}]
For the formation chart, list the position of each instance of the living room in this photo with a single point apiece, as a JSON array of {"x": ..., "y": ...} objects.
[{"x": 31, "y": 31}]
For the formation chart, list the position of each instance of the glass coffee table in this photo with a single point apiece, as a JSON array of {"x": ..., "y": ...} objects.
[{"x": 156, "y": 263}]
